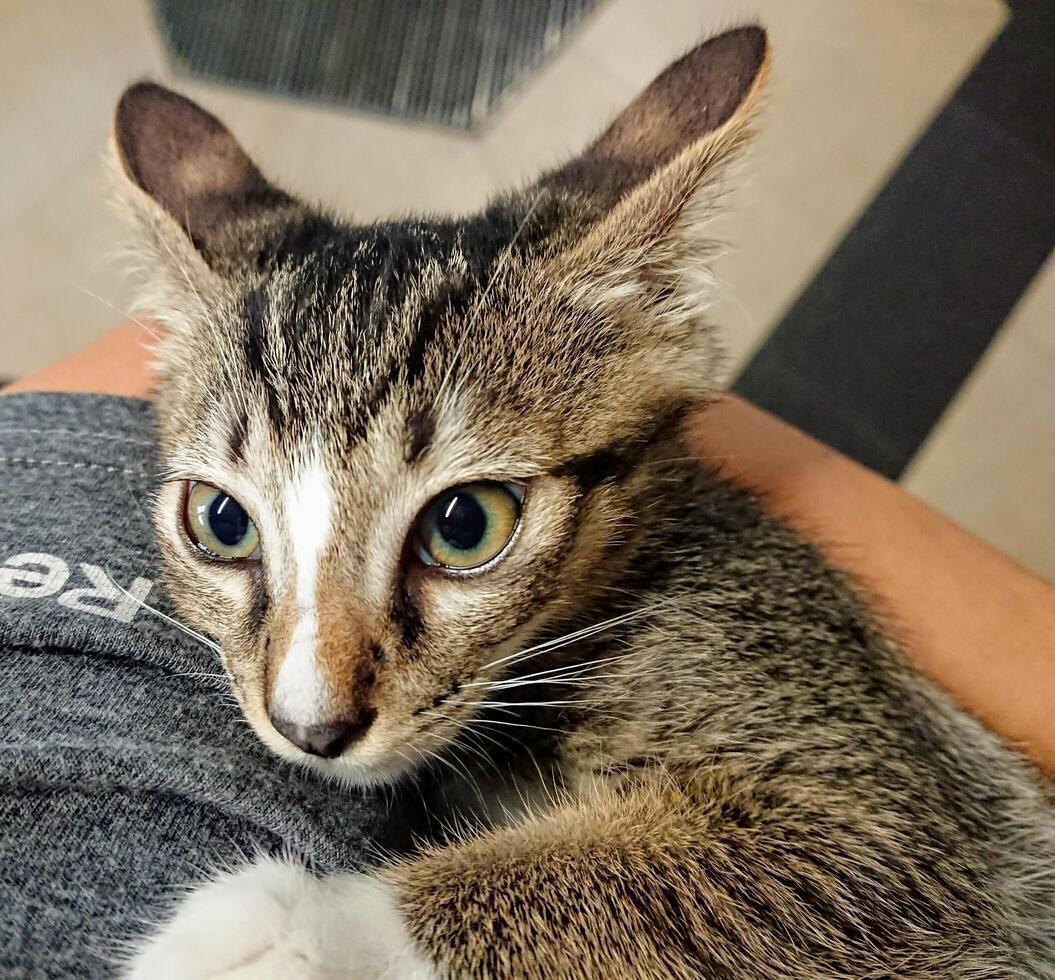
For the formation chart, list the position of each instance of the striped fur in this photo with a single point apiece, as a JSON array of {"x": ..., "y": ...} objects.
[{"x": 734, "y": 775}]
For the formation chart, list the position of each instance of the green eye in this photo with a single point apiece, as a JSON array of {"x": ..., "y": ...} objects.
[
  {"x": 468, "y": 526},
  {"x": 218, "y": 524}
]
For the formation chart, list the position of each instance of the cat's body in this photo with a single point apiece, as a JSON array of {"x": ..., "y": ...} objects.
[
  {"x": 664, "y": 738},
  {"x": 773, "y": 774}
]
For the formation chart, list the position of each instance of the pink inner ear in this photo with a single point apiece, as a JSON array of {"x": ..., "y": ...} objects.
[
  {"x": 216, "y": 165},
  {"x": 186, "y": 159},
  {"x": 693, "y": 97}
]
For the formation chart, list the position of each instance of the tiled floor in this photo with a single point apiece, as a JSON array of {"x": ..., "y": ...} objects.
[
  {"x": 990, "y": 463},
  {"x": 855, "y": 82}
]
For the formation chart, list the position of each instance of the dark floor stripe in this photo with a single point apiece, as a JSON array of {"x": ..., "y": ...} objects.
[{"x": 881, "y": 340}]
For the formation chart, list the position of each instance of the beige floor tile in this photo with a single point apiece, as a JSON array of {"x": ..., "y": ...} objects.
[{"x": 990, "y": 463}]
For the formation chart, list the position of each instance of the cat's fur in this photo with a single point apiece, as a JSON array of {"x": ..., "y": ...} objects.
[{"x": 739, "y": 778}]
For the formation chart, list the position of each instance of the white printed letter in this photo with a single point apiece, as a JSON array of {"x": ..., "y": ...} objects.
[
  {"x": 18, "y": 580},
  {"x": 105, "y": 598}
]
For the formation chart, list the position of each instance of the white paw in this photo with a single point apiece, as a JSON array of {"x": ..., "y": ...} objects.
[{"x": 273, "y": 920}]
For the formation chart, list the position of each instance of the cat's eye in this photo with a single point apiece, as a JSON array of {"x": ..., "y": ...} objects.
[
  {"x": 218, "y": 524},
  {"x": 468, "y": 526}
]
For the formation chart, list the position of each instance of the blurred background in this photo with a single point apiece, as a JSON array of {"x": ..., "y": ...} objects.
[{"x": 889, "y": 285}]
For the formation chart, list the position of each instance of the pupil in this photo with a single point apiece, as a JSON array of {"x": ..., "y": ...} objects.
[
  {"x": 461, "y": 521},
  {"x": 227, "y": 520}
]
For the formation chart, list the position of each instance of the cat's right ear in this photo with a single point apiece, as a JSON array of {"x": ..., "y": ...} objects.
[
  {"x": 649, "y": 185},
  {"x": 196, "y": 199}
]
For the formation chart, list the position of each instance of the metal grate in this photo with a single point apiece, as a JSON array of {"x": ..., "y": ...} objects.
[{"x": 441, "y": 61}]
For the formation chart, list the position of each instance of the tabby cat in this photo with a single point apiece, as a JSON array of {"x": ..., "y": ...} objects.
[{"x": 427, "y": 488}]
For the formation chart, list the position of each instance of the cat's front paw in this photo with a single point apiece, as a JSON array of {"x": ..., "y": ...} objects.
[{"x": 273, "y": 920}]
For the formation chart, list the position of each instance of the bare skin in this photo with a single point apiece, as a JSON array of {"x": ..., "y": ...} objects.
[
  {"x": 973, "y": 620},
  {"x": 118, "y": 363}
]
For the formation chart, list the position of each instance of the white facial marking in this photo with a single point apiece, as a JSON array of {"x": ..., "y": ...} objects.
[{"x": 300, "y": 694}]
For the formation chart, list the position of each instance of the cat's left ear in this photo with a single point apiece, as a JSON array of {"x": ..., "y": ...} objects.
[
  {"x": 648, "y": 185},
  {"x": 199, "y": 205}
]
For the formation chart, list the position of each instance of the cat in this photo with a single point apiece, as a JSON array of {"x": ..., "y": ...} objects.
[{"x": 427, "y": 487}]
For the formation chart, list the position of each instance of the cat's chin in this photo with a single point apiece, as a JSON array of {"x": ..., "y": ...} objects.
[
  {"x": 352, "y": 773},
  {"x": 375, "y": 769}
]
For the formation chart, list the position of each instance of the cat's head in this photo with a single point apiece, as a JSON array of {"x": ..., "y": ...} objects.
[{"x": 397, "y": 451}]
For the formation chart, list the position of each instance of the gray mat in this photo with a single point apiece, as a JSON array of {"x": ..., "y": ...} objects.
[{"x": 439, "y": 61}]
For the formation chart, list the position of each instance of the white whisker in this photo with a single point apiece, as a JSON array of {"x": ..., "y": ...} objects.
[
  {"x": 560, "y": 641},
  {"x": 571, "y": 702},
  {"x": 478, "y": 720},
  {"x": 201, "y": 638},
  {"x": 569, "y": 671},
  {"x": 116, "y": 309}
]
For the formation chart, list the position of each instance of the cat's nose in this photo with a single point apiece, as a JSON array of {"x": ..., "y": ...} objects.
[{"x": 328, "y": 740}]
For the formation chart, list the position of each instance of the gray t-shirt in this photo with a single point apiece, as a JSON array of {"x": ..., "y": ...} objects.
[{"x": 126, "y": 767}]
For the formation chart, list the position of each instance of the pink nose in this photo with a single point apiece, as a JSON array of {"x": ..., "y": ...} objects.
[{"x": 328, "y": 740}]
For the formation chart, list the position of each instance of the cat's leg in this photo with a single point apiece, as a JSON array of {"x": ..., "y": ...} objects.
[
  {"x": 711, "y": 876},
  {"x": 661, "y": 879}
]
